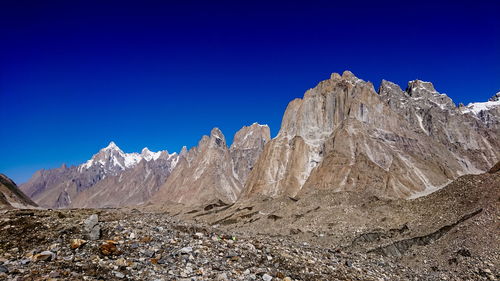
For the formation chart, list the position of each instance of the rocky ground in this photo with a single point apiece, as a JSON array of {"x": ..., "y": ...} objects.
[
  {"x": 55, "y": 245},
  {"x": 452, "y": 234}
]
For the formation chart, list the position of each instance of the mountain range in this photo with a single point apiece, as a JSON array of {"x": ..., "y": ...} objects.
[{"x": 343, "y": 135}]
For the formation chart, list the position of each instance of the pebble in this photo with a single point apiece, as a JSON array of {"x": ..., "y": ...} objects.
[
  {"x": 77, "y": 243},
  {"x": 44, "y": 256},
  {"x": 267, "y": 277},
  {"x": 109, "y": 248},
  {"x": 119, "y": 275},
  {"x": 186, "y": 250}
]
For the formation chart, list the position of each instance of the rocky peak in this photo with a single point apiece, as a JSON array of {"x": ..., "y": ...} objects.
[
  {"x": 388, "y": 87},
  {"x": 341, "y": 129},
  {"x": 112, "y": 159},
  {"x": 392, "y": 93},
  {"x": 496, "y": 97},
  {"x": 253, "y": 136},
  {"x": 488, "y": 112},
  {"x": 149, "y": 155},
  {"x": 111, "y": 146},
  {"x": 183, "y": 152},
  {"x": 425, "y": 91},
  {"x": 417, "y": 87},
  {"x": 248, "y": 144},
  {"x": 217, "y": 138},
  {"x": 205, "y": 173},
  {"x": 315, "y": 116}
]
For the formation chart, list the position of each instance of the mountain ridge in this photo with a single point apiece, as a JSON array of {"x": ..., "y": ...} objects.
[{"x": 342, "y": 135}]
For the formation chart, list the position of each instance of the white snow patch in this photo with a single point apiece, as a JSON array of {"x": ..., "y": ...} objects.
[
  {"x": 477, "y": 107},
  {"x": 113, "y": 156},
  {"x": 419, "y": 118}
]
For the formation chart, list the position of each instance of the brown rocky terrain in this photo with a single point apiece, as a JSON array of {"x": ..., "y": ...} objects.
[
  {"x": 451, "y": 234},
  {"x": 357, "y": 185}
]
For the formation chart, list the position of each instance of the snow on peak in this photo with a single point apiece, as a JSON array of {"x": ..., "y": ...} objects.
[
  {"x": 111, "y": 146},
  {"x": 113, "y": 158},
  {"x": 148, "y": 155},
  {"x": 477, "y": 107},
  {"x": 260, "y": 125}
]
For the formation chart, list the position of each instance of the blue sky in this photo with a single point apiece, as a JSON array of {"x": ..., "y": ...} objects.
[{"x": 75, "y": 75}]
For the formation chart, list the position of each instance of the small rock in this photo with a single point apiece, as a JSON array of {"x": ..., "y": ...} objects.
[
  {"x": 119, "y": 275},
  {"x": 3, "y": 269},
  {"x": 121, "y": 262},
  {"x": 149, "y": 253},
  {"x": 231, "y": 254},
  {"x": 132, "y": 235},
  {"x": 222, "y": 277},
  {"x": 267, "y": 277},
  {"x": 44, "y": 256},
  {"x": 287, "y": 279},
  {"x": 77, "y": 243},
  {"x": 186, "y": 250},
  {"x": 109, "y": 248},
  {"x": 54, "y": 274},
  {"x": 91, "y": 226}
]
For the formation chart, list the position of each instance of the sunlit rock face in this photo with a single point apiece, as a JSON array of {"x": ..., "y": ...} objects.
[
  {"x": 343, "y": 135},
  {"x": 211, "y": 171}
]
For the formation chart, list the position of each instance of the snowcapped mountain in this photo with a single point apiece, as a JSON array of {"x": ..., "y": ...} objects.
[
  {"x": 488, "y": 112},
  {"x": 112, "y": 159},
  {"x": 60, "y": 187}
]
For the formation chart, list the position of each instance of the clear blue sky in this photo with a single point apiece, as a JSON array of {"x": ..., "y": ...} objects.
[{"x": 75, "y": 75}]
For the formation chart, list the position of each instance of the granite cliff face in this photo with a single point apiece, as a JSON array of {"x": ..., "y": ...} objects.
[
  {"x": 247, "y": 145},
  {"x": 211, "y": 171},
  {"x": 11, "y": 196},
  {"x": 343, "y": 135}
]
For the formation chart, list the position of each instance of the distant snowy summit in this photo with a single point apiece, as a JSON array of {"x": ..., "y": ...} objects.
[
  {"x": 488, "y": 112},
  {"x": 113, "y": 159},
  {"x": 113, "y": 178}
]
